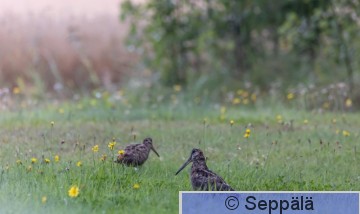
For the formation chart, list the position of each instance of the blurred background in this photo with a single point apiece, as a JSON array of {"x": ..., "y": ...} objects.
[{"x": 225, "y": 50}]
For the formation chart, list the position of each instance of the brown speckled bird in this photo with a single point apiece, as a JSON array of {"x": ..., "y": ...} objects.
[
  {"x": 136, "y": 154},
  {"x": 201, "y": 177}
]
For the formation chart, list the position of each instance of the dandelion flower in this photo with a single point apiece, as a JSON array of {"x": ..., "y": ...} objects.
[
  {"x": 103, "y": 157},
  {"x": 177, "y": 88},
  {"x": 136, "y": 186},
  {"x": 326, "y": 105},
  {"x": 348, "y": 102},
  {"x": 121, "y": 152},
  {"x": 33, "y": 160},
  {"x": 111, "y": 145},
  {"x": 57, "y": 158},
  {"x": 306, "y": 121},
  {"x": 232, "y": 122},
  {"x": 247, "y": 133},
  {"x": 73, "y": 191},
  {"x": 253, "y": 97},
  {"x": 236, "y": 101},
  {"x": 29, "y": 168},
  {"x": 43, "y": 199},
  {"x": 18, "y": 162},
  {"x": 290, "y": 96},
  {"x": 240, "y": 92},
  {"x": 16, "y": 90},
  {"x": 95, "y": 148},
  {"x": 47, "y": 160},
  {"x": 279, "y": 118},
  {"x": 61, "y": 111},
  {"x": 79, "y": 164},
  {"x": 346, "y": 133},
  {"x": 52, "y": 123},
  {"x": 205, "y": 120}
]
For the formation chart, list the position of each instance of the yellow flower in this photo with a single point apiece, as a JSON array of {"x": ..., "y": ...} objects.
[
  {"x": 73, "y": 191},
  {"x": 290, "y": 96},
  {"x": 333, "y": 120},
  {"x": 111, "y": 145},
  {"x": 79, "y": 164},
  {"x": 18, "y": 162},
  {"x": 205, "y": 120},
  {"x": 136, "y": 186},
  {"x": 33, "y": 160},
  {"x": 326, "y": 105},
  {"x": 177, "y": 88},
  {"x": 279, "y": 118},
  {"x": 52, "y": 123},
  {"x": 29, "y": 168},
  {"x": 247, "y": 133},
  {"x": 121, "y": 152},
  {"x": 346, "y": 133},
  {"x": 47, "y": 160},
  {"x": 61, "y": 111},
  {"x": 306, "y": 121},
  {"x": 348, "y": 102},
  {"x": 253, "y": 97},
  {"x": 103, "y": 157},
  {"x": 236, "y": 101},
  {"x": 240, "y": 92},
  {"x": 232, "y": 122},
  {"x": 57, "y": 158},
  {"x": 43, "y": 199},
  {"x": 16, "y": 90},
  {"x": 95, "y": 148}
]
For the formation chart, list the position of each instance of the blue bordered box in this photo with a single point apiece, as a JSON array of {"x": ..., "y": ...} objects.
[{"x": 269, "y": 202}]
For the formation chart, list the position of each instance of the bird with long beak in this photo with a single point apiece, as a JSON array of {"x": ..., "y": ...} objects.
[
  {"x": 201, "y": 177},
  {"x": 136, "y": 154}
]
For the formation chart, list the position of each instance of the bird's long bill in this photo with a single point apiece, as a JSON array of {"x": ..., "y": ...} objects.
[
  {"x": 183, "y": 166},
  {"x": 152, "y": 148}
]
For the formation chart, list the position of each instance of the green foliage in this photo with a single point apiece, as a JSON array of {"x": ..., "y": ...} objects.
[
  {"x": 279, "y": 155},
  {"x": 246, "y": 40}
]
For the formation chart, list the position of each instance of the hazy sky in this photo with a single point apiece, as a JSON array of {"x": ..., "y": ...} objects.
[{"x": 61, "y": 7}]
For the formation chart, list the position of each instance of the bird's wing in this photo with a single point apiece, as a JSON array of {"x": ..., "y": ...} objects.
[
  {"x": 213, "y": 178},
  {"x": 131, "y": 147}
]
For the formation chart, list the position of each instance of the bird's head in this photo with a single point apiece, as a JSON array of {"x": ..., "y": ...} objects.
[
  {"x": 148, "y": 143},
  {"x": 196, "y": 155}
]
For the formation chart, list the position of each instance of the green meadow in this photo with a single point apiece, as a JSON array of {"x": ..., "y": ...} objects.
[{"x": 48, "y": 148}]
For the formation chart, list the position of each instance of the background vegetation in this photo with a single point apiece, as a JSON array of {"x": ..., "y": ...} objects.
[{"x": 191, "y": 73}]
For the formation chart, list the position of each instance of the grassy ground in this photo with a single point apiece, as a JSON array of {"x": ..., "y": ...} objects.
[{"x": 297, "y": 151}]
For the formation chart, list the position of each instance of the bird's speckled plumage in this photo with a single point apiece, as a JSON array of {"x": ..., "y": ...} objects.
[
  {"x": 201, "y": 177},
  {"x": 136, "y": 154}
]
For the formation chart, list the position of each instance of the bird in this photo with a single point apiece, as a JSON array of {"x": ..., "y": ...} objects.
[
  {"x": 136, "y": 154},
  {"x": 201, "y": 177}
]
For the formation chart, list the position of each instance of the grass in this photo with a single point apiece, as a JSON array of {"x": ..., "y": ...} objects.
[{"x": 279, "y": 155}]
